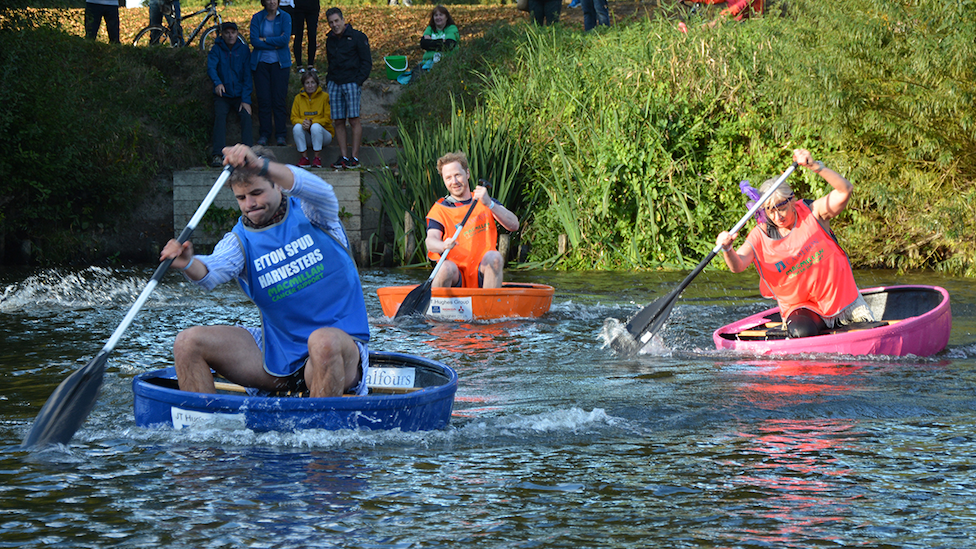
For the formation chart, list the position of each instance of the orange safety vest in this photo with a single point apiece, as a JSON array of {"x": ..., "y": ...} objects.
[
  {"x": 478, "y": 237},
  {"x": 806, "y": 269}
]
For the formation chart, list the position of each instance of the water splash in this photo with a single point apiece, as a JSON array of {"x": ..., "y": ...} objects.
[
  {"x": 91, "y": 287},
  {"x": 615, "y": 336}
]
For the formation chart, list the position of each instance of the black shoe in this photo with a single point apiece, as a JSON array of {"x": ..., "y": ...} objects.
[
  {"x": 263, "y": 141},
  {"x": 281, "y": 142},
  {"x": 352, "y": 163},
  {"x": 216, "y": 161},
  {"x": 340, "y": 164}
]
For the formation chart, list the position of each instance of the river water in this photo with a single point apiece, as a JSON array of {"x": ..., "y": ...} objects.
[{"x": 554, "y": 441}]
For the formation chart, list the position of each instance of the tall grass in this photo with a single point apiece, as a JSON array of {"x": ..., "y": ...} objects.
[{"x": 639, "y": 135}]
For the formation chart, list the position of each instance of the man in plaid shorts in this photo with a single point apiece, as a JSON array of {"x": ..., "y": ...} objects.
[{"x": 350, "y": 61}]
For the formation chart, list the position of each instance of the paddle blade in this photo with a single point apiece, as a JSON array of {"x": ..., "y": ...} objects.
[
  {"x": 644, "y": 324},
  {"x": 416, "y": 302},
  {"x": 69, "y": 405}
]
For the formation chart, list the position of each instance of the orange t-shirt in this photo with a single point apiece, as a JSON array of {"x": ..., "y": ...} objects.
[
  {"x": 478, "y": 237},
  {"x": 805, "y": 269}
]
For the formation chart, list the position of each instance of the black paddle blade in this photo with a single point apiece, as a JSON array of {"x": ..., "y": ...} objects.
[
  {"x": 69, "y": 405},
  {"x": 415, "y": 303},
  {"x": 644, "y": 324}
]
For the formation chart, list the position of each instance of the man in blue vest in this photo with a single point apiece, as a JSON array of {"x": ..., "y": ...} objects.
[{"x": 290, "y": 255}]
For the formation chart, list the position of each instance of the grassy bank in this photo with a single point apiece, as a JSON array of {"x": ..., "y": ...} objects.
[
  {"x": 630, "y": 140},
  {"x": 639, "y": 135}
]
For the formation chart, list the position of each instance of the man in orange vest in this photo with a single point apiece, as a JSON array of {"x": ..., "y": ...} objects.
[
  {"x": 799, "y": 260},
  {"x": 474, "y": 259}
]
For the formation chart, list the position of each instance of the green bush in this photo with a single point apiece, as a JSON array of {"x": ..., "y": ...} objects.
[
  {"x": 87, "y": 126},
  {"x": 639, "y": 135}
]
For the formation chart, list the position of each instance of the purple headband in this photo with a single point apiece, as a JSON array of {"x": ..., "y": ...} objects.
[{"x": 747, "y": 190}]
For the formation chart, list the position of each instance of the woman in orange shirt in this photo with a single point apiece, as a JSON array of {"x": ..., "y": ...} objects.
[{"x": 798, "y": 258}]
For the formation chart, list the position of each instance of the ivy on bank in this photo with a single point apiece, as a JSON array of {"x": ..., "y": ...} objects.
[{"x": 86, "y": 127}]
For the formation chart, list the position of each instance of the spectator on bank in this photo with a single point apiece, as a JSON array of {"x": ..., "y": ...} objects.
[
  {"x": 350, "y": 62},
  {"x": 545, "y": 12},
  {"x": 229, "y": 68},
  {"x": 158, "y": 8},
  {"x": 595, "y": 12},
  {"x": 311, "y": 120},
  {"x": 440, "y": 36},
  {"x": 304, "y": 15},
  {"x": 270, "y": 64},
  {"x": 95, "y": 11}
]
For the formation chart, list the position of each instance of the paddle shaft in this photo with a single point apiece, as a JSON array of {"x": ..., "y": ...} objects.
[
  {"x": 71, "y": 402},
  {"x": 645, "y": 335},
  {"x": 164, "y": 266}
]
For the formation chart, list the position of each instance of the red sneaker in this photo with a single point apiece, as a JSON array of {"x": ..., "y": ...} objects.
[
  {"x": 304, "y": 163},
  {"x": 316, "y": 162}
]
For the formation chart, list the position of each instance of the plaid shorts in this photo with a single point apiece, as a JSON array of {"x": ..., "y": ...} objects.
[{"x": 344, "y": 100}]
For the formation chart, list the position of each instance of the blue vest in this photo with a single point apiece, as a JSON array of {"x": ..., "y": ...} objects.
[{"x": 302, "y": 279}]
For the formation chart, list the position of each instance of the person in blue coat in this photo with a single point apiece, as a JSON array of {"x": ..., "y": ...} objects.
[
  {"x": 229, "y": 68},
  {"x": 270, "y": 64}
]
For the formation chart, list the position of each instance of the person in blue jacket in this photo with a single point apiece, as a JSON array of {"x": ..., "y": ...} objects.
[
  {"x": 290, "y": 255},
  {"x": 270, "y": 63},
  {"x": 229, "y": 67}
]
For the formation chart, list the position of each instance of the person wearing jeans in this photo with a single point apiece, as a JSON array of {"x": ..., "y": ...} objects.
[
  {"x": 270, "y": 63},
  {"x": 595, "y": 12},
  {"x": 95, "y": 11},
  {"x": 305, "y": 15},
  {"x": 545, "y": 12},
  {"x": 228, "y": 66}
]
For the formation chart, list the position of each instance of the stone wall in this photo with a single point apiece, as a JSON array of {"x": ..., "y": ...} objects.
[{"x": 191, "y": 186}]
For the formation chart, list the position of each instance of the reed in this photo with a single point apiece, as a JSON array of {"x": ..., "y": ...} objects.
[
  {"x": 639, "y": 136},
  {"x": 413, "y": 185}
]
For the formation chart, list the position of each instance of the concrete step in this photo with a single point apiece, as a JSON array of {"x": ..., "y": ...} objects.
[{"x": 369, "y": 157}]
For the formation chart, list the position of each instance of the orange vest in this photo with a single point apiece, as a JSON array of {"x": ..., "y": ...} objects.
[
  {"x": 478, "y": 237},
  {"x": 806, "y": 269}
]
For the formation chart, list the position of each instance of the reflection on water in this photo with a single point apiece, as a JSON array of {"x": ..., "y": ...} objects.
[{"x": 554, "y": 441}]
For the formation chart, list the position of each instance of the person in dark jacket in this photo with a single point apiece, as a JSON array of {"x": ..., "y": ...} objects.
[
  {"x": 350, "y": 62},
  {"x": 229, "y": 67}
]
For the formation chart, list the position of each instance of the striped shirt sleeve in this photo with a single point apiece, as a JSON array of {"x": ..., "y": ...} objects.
[{"x": 319, "y": 204}]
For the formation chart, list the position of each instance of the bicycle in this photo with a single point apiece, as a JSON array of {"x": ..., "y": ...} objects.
[{"x": 171, "y": 33}]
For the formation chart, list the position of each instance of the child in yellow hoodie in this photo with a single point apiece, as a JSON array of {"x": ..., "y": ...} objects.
[{"x": 312, "y": 120}]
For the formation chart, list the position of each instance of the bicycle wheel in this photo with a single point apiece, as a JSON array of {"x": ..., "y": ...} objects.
[
  {"x": 152, "y": 36},
  {"x": 209, "y": 38}
]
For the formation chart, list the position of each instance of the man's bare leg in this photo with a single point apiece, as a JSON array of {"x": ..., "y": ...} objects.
[
  {"x": 340, "y": 135},
  {"x": 447, "y": 276},
  {"x": 333, "y": 363},
  {"x": 491, "y": 268},
  {"x": 229, "y": 350},
  {"x": 357, "y": 136}
]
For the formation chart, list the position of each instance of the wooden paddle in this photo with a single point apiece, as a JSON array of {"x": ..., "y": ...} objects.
[
  {"x": 69, "y": 405},
  {"x": 643, "y": 325},
  {"x": 418, "y": 299}
]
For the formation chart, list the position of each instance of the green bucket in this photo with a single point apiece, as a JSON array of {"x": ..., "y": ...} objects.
[{"x": 395, "y": 65}]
